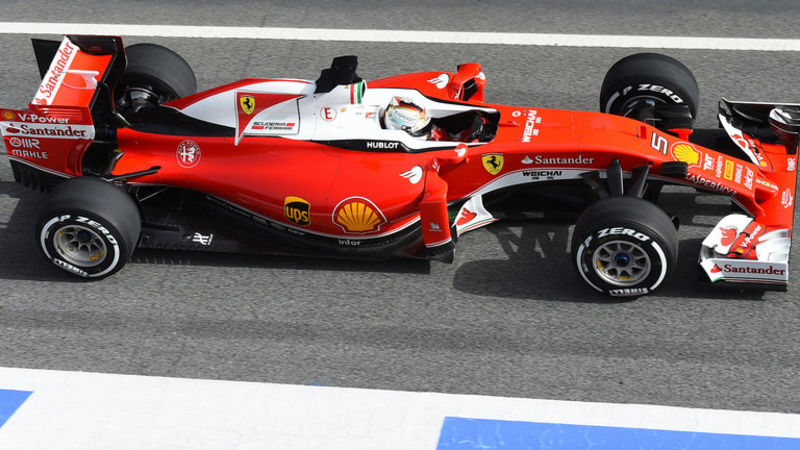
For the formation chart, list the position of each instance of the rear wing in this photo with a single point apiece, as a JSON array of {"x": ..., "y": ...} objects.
[
  {"x": 73, "y": 70},
  {"x": 50, "y": 137}
]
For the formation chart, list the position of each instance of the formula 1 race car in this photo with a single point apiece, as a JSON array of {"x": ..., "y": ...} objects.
[{"x": 134, "y": 157}]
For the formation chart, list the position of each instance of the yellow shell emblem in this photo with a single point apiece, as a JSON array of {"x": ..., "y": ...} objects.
[
  {"x": 358, "y": 215},
  {"x": 686, "y": 153}
]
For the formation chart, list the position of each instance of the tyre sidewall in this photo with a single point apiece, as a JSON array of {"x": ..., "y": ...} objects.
[
  {"x": 650, "y": 242},
  {"x": 652, "y": 75},
  {"x": 163, "y": 69},
  {"x": 117, "y": 251},
  {"x": 664, "y": 91}
]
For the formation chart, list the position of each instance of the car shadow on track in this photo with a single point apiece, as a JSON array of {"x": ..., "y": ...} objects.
[
  {"x": 22, "y": 260},
  {"x": 539, "y": 265},
  {"x": 189, "y": 258},
  {"x": 20, "y": 256}
]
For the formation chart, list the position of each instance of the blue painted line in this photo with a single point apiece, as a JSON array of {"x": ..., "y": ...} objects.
[
  {"x": 462, "y": 433},
  {"x": 10, "y": 401}
]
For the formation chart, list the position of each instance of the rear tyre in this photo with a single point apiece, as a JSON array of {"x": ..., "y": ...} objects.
[
  {"x": 624, "y": 246},
  {"x": 644, "y": 80},
  {"x": 154, "y": 75},
  {"x": 88, "y": 227}
]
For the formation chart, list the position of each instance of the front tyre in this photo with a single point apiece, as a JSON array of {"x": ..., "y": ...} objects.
[
  {"x": 88, "y": 227},
  {"x": 624, "y": 246},
  {"x": 644, "y": 80}
]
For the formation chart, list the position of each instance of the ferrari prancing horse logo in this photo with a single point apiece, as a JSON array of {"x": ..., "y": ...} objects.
[
  {"x": 248, "y": 104},
  {"x": 492, "y": 162}
]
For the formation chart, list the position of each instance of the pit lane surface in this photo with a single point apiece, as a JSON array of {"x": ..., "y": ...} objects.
[{"x": 508, "y": 318}]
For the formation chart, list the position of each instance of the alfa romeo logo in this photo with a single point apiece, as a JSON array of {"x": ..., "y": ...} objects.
[{"x": 188, "y": 154}]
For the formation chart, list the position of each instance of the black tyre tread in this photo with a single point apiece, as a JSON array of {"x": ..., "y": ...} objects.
[
  {"x": 653, "y": 68},
  {"x": 98, "y": 197},
  {"x": 632, "y": 212},
  {"x": 161, "y": 66},
  {"x": 621, "y": 210}
]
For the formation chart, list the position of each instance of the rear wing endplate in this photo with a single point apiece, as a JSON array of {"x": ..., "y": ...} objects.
[{"x": 74, "y": 70}]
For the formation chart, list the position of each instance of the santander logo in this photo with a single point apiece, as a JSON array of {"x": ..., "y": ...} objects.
[
  {"x": 747, "y": 270},
  {"x": 53, "y": 77}
]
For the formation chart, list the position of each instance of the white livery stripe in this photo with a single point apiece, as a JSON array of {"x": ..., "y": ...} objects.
[{"x": 420, "y": 36}]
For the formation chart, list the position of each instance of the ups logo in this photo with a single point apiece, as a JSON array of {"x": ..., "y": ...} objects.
[{"x": 297, "y": 210}]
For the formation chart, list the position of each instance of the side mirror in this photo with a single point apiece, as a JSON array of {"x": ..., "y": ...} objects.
[
  {"x": 785, "y": 123},
  {"x": 468, "y": 83}
]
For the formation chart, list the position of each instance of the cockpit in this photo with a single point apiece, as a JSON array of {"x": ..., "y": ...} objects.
[{"x": 400, "y": 119}]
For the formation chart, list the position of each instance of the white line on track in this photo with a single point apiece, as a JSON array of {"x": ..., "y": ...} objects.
[
  {"x": 441, "y": 37},
  {"x": 78, "y": 410}
]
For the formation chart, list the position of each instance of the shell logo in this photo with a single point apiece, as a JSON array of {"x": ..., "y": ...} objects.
[
  {"x": 358, "y": 215},
  {"x": 8, "y": 115},
  {"x": 686, "y": 153}
]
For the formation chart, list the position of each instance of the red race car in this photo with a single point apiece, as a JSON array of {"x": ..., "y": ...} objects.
[{"x": 134, "y": 157}]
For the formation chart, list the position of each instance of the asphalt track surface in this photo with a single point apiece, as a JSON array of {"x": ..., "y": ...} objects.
[{"x": 508, "y": 318}]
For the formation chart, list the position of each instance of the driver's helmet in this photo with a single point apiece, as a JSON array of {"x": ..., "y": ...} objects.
[{"x": 403, "y": 114}]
